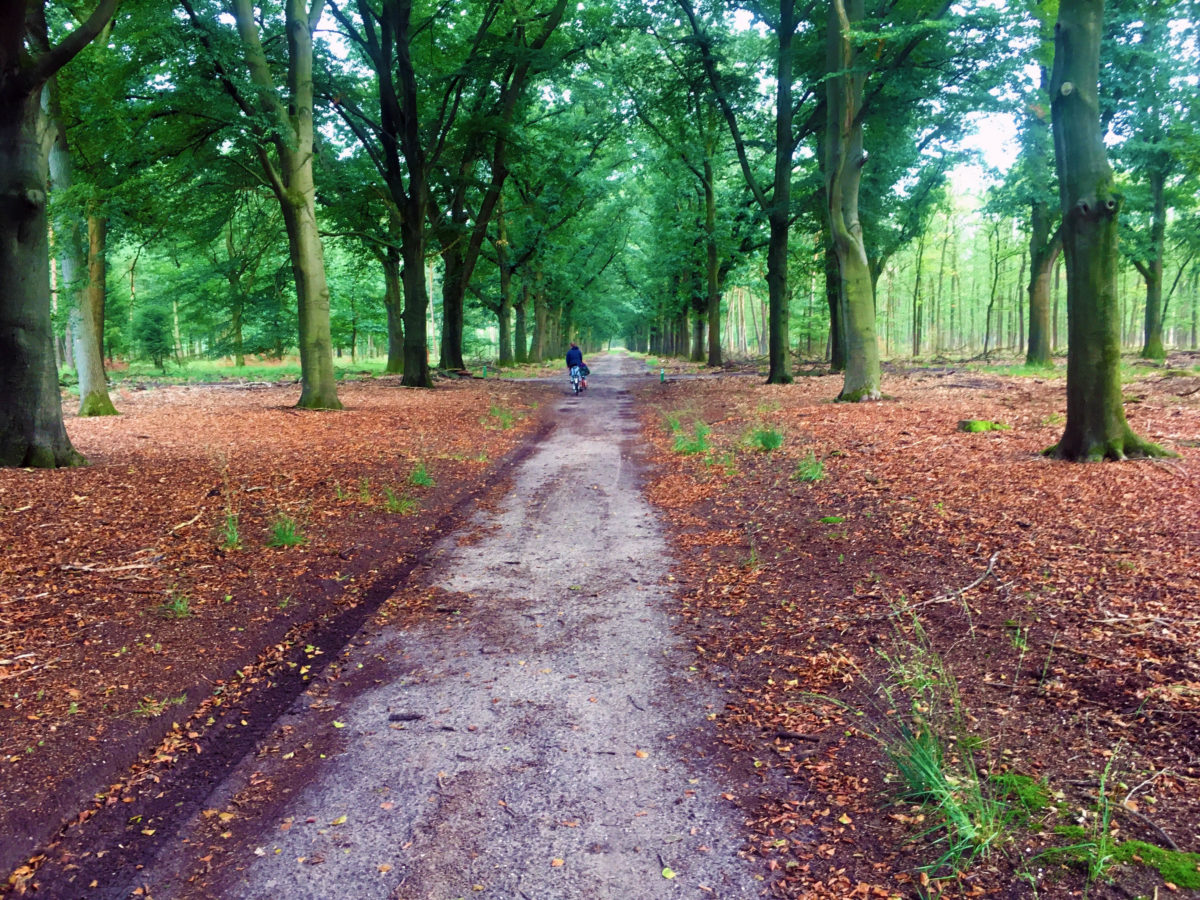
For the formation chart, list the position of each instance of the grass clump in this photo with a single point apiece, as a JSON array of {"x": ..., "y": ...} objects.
[
  {"x": 696, "y": 442},
  {"x": 420, "y": 477},
  {"x": 151, "y": 708},
  {"x": 398, "y": 503},
  {"x": 766, "y": 439},
  {"x": 284, "y": 531},
  {"x": 927, "y": 740},
  {"x": 809, "y": 469},
  {"x": 228, "y": 535},
  {"x": 176, "y": 606},
  {"x": 504, "y": 418}
]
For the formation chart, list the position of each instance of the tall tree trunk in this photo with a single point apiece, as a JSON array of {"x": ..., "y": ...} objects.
[
  {"x": 393, "y": 303},
  {"x": 453, "y": 296},
  {"x": 1096, "y": 427},
  {"x": 541, "y": 318},
  {"x": 1152, "y": 269},
  {"x": 520, "y": 335},
  {"x": 89, "y": 334},
  {"x": 1044, "y": 247},
  {"x": 712, "y": 265},
  {"x": 843, "y": 176},
  {"x": 31, "y": 423},
  {"x": 292, "y": 181}
]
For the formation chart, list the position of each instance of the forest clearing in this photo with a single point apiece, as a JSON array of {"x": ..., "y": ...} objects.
[{"x": 845, "y": 575}]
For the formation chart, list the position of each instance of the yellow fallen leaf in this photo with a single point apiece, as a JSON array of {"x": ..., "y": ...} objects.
[
  {"x": 384, "y": 869},
  {"x": 340, "y": 820},
  {"x": 668, "y": 872},
  {"x": 844, "y": 819},
  {"x": 337, "y": 724},
  {"x": 556, "y": 863},
  {"x": 641, "y": 754}
]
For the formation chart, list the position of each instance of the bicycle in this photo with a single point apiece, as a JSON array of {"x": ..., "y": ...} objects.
[{"x": 577, "y": 383}]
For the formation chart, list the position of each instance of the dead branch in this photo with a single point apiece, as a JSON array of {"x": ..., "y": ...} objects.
[
  {"x": 30, "y": 669},
  {"x": 191, "y": 521},
  {"x": 955, "y": 595},
  {"x": 83, "y": 567}
]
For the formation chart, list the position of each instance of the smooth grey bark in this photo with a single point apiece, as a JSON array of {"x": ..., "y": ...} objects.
[
  {"x": 291, "y": 178},
  {"x": 80, "y": 246},
  {"x": 1096, "y": 428},
  {"x": 843, "y": 177},
  {"x": 31, "y": 421}
]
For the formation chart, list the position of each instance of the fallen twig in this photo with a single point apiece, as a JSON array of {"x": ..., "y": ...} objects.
[
  {"x": 82, "y": 567},
  {"x": 191, "y": 521},
  {"x": 30, "y": 669}
]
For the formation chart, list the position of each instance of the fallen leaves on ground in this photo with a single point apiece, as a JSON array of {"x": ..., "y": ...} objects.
[{"x": 1060, "y": 597}]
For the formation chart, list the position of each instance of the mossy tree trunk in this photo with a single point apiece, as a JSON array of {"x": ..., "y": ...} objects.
[
  {"x": 31, "y": 422},
  {"x": 291, "y": 178},
  {"x": 393, "y": 302},
  {"x": 1096, "y": 428},
  {"x": 81, "y": 264},
  {"x": 1045, "y": 241},
  {"x": 843, "y": 176},
  {"x": 1152, "y": 269},
  {"x": 89, "y": 333}
]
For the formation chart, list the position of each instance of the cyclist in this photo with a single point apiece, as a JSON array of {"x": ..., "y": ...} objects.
[{"x": 574, "y": 361}]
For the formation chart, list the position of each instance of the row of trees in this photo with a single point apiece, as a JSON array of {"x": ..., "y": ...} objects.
[{"x": 598, "y": 171}]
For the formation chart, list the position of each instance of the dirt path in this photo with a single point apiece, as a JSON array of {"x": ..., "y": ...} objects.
[{"x": 544, "y": 742}]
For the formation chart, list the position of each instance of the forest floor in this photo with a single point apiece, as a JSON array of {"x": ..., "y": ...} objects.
[{"x": 1031, "y": 627}]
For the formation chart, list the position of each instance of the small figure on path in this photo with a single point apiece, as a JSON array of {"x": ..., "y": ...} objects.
[{"x": 575, "y": 366}]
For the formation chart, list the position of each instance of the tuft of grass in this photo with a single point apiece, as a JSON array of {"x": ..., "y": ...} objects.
[
  {"x": 809, "y": 469},
  {"x": 399, "y": 503},
  {"x": 696, "y": 443},
  {"x": 420, "y": 476},
  {"x": 671, "y": 420},
  {"x": 928, "y": 741},
  {"x": 151, "y": 708},
  {"x": 766, "y": 439},
  {"x": 285, "y": 532},
  {"x": 832, "y": 520},
  {"x": 504, "y": 417},
  {"x": 230, "y": 539},
  {"x": 176, "y": 606},
  {"x": 364, "y": 490}
]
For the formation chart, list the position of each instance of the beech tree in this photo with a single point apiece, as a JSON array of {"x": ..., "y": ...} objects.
[
  {"x": 31, "y": 422},
  {"x": 1096, "y": 428},
  {"x": 283, "y": 122}
]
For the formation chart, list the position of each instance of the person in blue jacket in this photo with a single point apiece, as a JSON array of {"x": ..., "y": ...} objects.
[{"x": 575, "y": 358}]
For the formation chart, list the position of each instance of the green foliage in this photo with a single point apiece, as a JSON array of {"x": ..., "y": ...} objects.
[
  {"x": 696, "y": 443},
  {"x": 176, "y": 606},
  {"x": 926, "y": 736},
  {"x": 832, "y": 520},
  {"x": 228, "y": 532},
  {"x": 1179, "y": 868},
  {"x": 399, "y": 503},
  {"x": 809, "y": 469},
  {"x": 503, "y": 418},
  {"x": 420, "y": 477},
  {"x": 151, "y": 708},
  {"x": 766, "y": 439},
  {"x": 284, "y": 532},
  {"x": 975, "y": 426},
  {"x": 152, "y": 335}
]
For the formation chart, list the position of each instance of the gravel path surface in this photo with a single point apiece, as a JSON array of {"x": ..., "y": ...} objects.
[{"x": 545, "y": 743}]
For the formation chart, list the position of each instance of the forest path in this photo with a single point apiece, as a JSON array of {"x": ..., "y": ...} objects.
[{"x": 544, "y": 740}]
